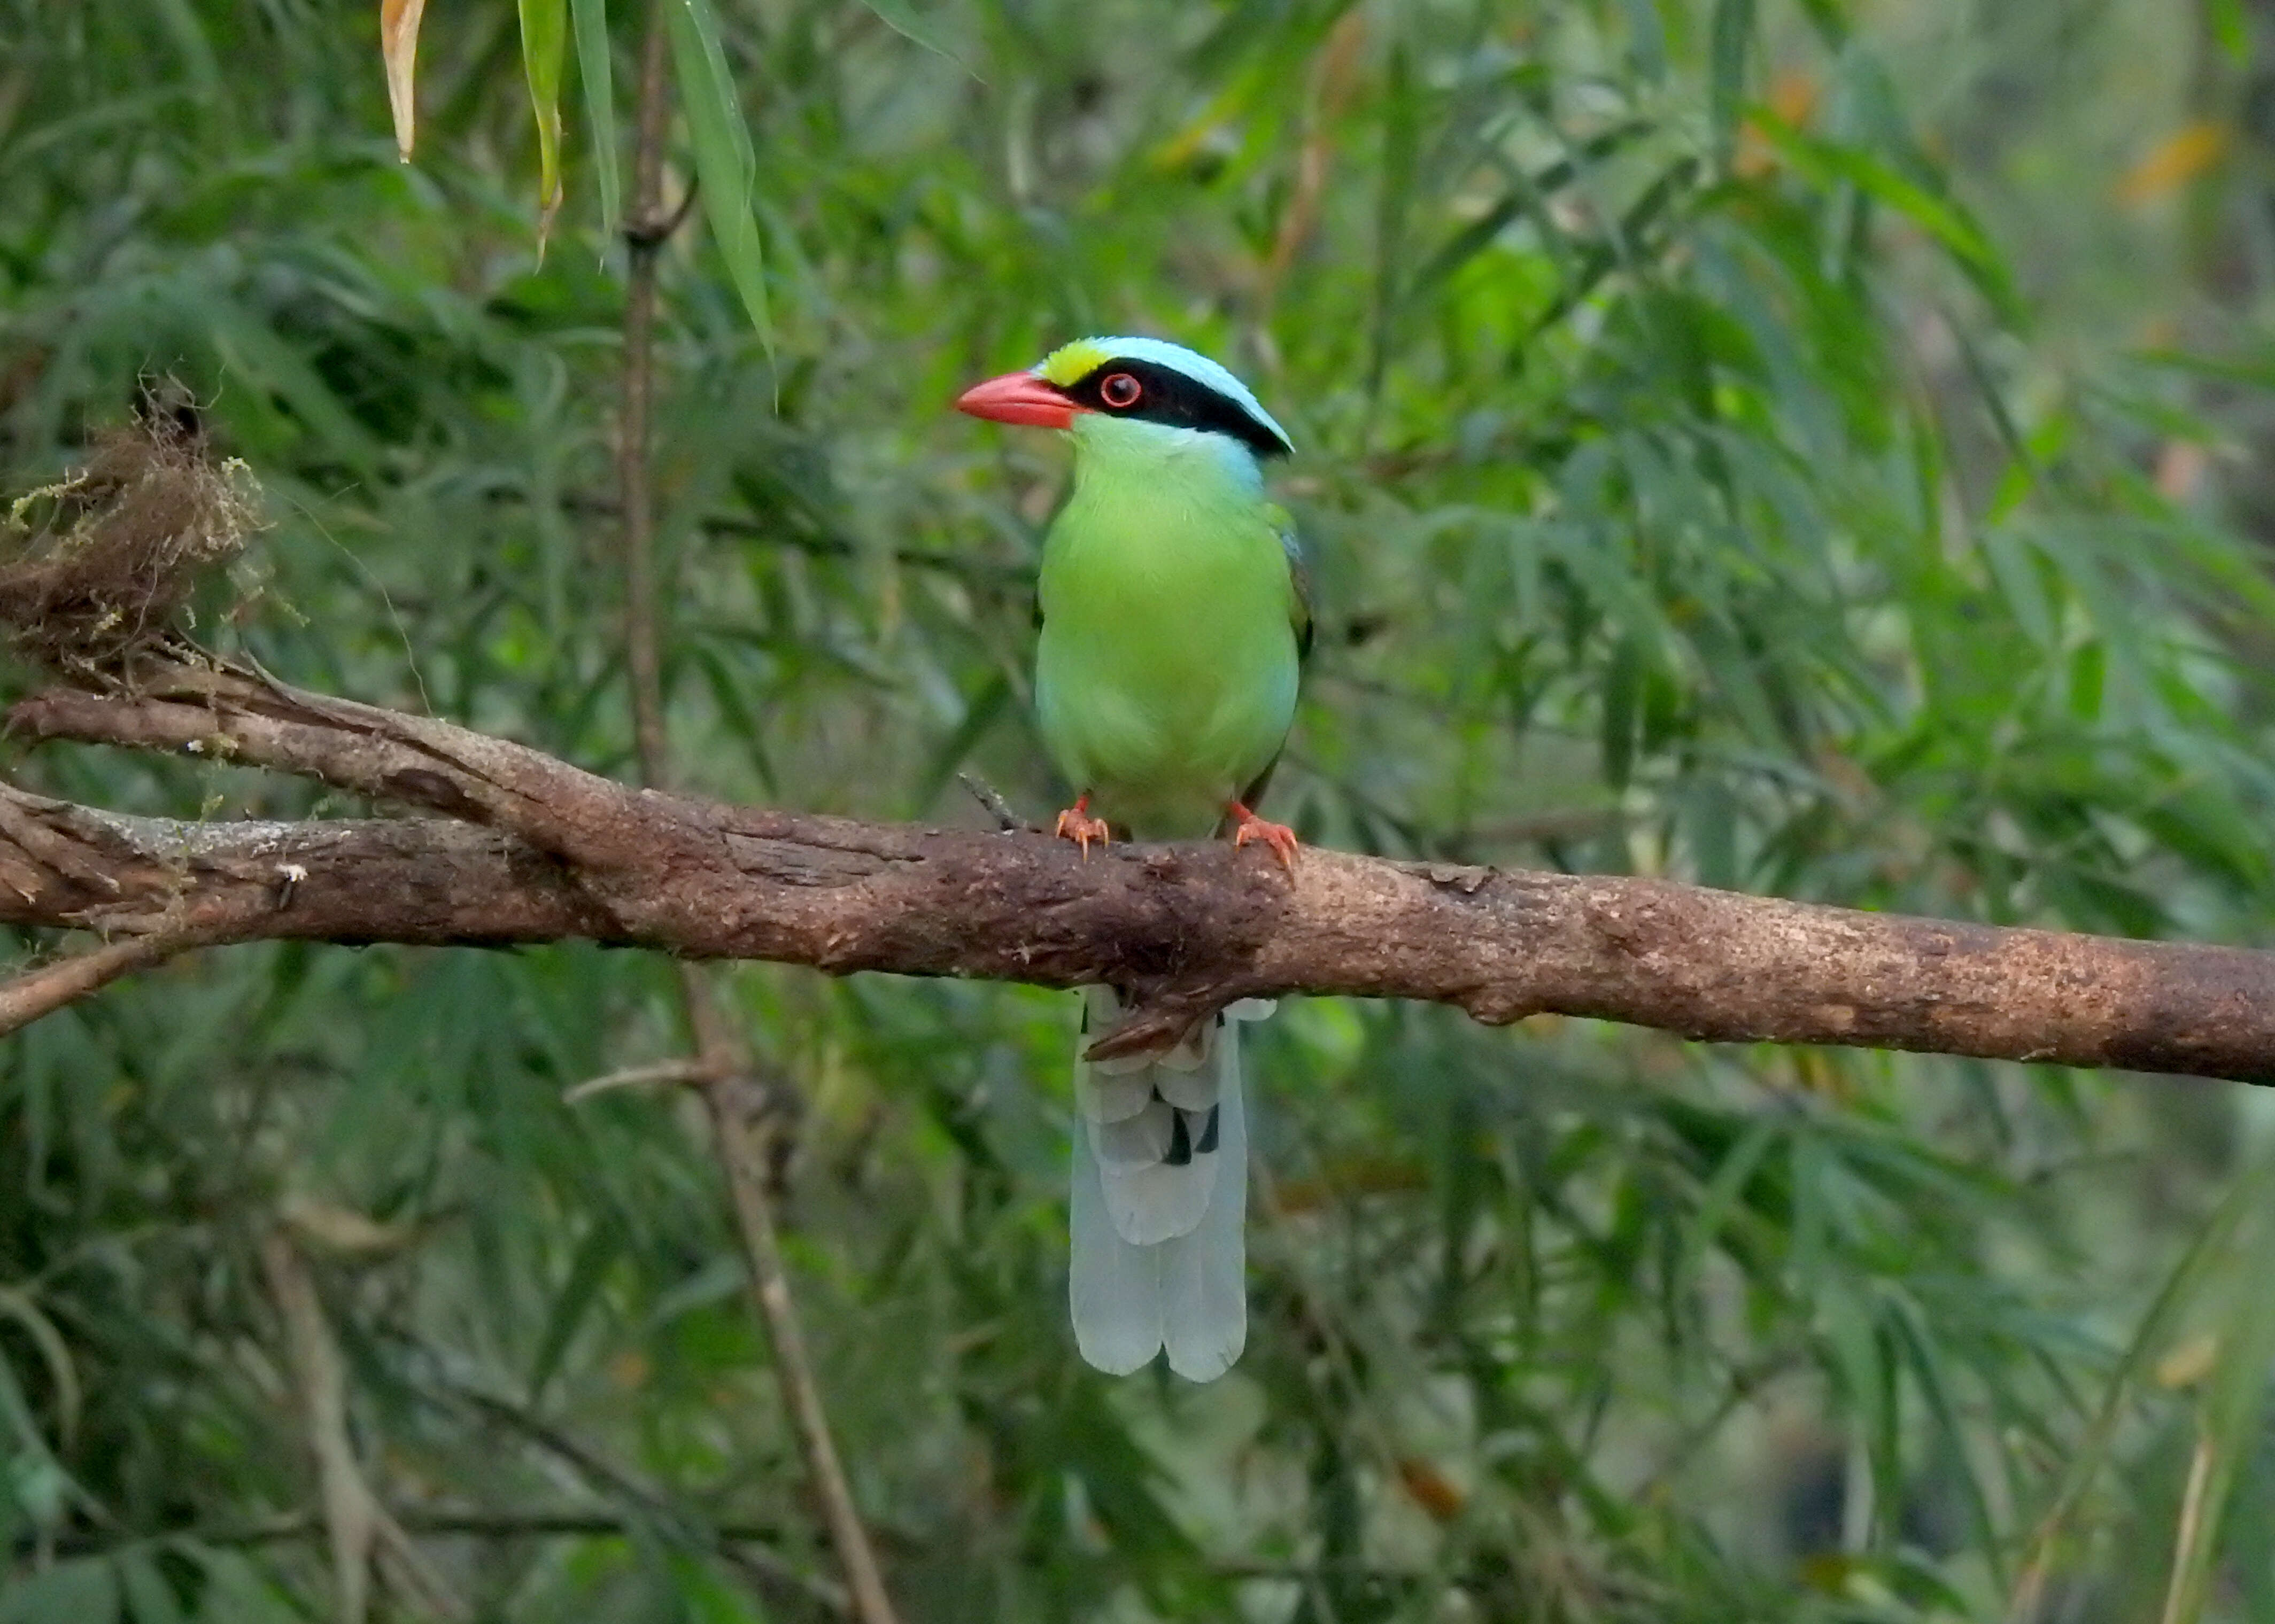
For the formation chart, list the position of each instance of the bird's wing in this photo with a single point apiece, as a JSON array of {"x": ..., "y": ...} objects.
[
  {"x": 1299, "y": 576},
  {"x": 1299, "y": 618}
]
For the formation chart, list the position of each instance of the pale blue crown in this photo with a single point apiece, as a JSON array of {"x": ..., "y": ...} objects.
[{"x": 1084, "y": 353}]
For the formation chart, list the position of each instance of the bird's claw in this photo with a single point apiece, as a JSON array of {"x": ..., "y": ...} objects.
[
  {"x": 1278, "y": 836},
  {"x": 1076, "y": 824}
]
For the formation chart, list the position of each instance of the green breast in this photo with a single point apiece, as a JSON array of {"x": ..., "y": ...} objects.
[{"x": 1165, "y": 679}]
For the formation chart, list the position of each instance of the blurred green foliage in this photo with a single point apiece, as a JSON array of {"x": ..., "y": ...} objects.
[{"x": 1802, "y": 447}]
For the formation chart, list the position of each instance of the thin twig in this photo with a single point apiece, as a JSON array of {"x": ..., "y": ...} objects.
[
  {"x": 2185, "y": 1581},
  {"x": 725, "y": 1541},
  {"x": 178, "y": 928},
  {"x": 741, "y": 1157},
  {"x": 644, "y": 242},
  {"x": 994, "y": 575},
  {"x": 654, "y": 1075},
  {"x": 357, "y": 1525},
  {"x": 43, "y": 991},
  {"x": 998, "y": 808},
  {"x": 719, "y": 1057}
]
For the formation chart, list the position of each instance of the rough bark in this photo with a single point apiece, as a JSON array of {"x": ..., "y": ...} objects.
[{"x": 563, "y": 853}]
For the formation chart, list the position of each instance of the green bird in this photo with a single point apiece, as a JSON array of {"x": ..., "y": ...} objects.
[{"x": 1174, "y": 621}]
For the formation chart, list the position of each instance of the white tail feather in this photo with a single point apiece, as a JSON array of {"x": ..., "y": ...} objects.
[
  {"x": 1160, "y": 1199},
  {"x": 1113, "y": 1288},
  {"x": 1103, "y": 1098},
  {"x": 1204, "y": 1273}
]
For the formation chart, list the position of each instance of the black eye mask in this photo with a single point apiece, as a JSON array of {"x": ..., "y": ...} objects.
[{"x": 1168, "y": 396}]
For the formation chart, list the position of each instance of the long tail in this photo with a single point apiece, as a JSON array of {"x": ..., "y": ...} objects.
[{"x": 1160, "y": 1199}]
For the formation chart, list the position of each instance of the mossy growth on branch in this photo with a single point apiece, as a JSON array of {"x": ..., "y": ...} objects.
[{"x": 98, "y": 564}]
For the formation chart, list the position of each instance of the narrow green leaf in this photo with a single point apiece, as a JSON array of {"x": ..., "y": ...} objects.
[
  {"x": 85, "y": 1591},
  {"x": 2014, "y": 565},
  {"x": 1940, "y": 216},
  {"x": 1830, "y": 18},
  {"x": 149, "y": 1599},
  {"x": 235, "y": 1589},
  {"x": 1731, "y": 1177},
  {"x": 596, "y": 70},
  {"x": 600, "y": 1248},
  {"x": 2228, "y": 1428},
  {"x": 2230, "y": 27},
  {"x": 2092, "y": 1453},
  {"x": 54, "y": 1352},
  {"x": 725, "y": 159},
  {"x": 1733, "y": 37},
  {"x": 987, "y": 708},
  {"x": 901, "y": 19},
  {"x": 706, "y": 1599},
  {"x": 180, "y": 21},
  {"x": 1646, "y": 40},
  {"x": 1622, "y": 684},
  {"x": 544, "y": 44}
]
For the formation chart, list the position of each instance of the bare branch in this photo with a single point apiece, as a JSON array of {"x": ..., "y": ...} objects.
[
  {"x": 656, "y": 1073},
  {"x": 358, "y": 1527},
  {"x": 741, "y": 1157},
  {"x": 49, "y": 987}
]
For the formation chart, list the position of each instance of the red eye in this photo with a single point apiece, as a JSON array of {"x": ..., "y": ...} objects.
[{"x": 1120, "y": 391}]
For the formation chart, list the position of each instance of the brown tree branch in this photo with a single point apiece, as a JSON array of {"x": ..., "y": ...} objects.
[{"x": 1184, "y": 927}]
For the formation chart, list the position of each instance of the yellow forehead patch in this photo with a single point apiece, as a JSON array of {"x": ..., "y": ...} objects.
[{"x": 1070, "y": 364}]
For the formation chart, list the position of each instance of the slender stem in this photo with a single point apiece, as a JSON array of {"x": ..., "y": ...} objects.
[
  {"x": 741, "y": 1156},
  {"x": 49, "y": 987},
  {"x": 722, "y": 1062},
  {"x": 644, "y": 240}
]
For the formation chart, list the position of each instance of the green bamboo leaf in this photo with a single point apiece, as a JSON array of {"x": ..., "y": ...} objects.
[
  {"x": 2231, "y": 26},
  {"x": 725, "y": 162},
  {"x": 149, "y": 1599},
  {"x": 85, "y": 1591},
  {"x": 55, "y": 1353},
  {"x": 2014, "y": 566},
  {"x": 1732, "y": 38},
  {"x": 544, "y": 44},
  {"x": 1940, "y": 216},
  {"x": 1829, "y": 19},
  {"x": 235, "y": 1589},
  {"x": 986, "y": 708},
  {"x": 901, "y": 19},
  {"x": 595, "y": 70},
  {"x": 2233, "y": 1399},
  {"x": 706, "y": 1599},
  {"x": 2091, "y": 1455},
  {"x": 588, "y": 1271}
]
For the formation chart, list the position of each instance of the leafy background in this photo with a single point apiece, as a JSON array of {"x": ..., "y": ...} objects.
[{"x": 1813, "y": 448}]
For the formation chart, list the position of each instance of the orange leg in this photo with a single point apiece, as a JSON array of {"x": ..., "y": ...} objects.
[
  {"x": 1076, "y": 824},
  {"x": 1247, "y": 826}
]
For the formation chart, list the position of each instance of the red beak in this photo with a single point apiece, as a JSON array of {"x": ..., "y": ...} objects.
[{"x": 1018, "y": 397}]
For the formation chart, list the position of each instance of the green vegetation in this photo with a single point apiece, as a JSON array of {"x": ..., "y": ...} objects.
[{"x": 1802, "y": 447}]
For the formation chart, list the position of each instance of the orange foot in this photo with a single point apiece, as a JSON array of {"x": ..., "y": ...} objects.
[
  {"x": 1279, "y": 836},
  {"x": 1076, "y": 824}
]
